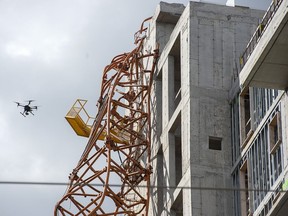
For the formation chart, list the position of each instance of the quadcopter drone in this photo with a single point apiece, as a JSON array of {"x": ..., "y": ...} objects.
[{"x": 27, "y": 108}]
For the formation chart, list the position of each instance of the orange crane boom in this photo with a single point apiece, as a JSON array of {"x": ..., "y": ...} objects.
[{"x": 112, "y": 176}]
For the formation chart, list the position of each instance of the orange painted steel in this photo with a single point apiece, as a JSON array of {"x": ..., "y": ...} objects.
[{"x": 113, "y": 176}]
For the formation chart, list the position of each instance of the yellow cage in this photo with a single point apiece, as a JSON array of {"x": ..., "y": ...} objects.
[
  {"x": 79, "y": 119},
  {"x": 81, "y": 123}
]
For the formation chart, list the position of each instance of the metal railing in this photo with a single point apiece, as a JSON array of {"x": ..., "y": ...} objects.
[{"x": 259, "y": 31}]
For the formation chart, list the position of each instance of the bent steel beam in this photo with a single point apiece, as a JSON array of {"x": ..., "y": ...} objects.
[{"x": 113, "y": 176}]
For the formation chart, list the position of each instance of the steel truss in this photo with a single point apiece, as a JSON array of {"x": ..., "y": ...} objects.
[{"x": 113, "y": 174}]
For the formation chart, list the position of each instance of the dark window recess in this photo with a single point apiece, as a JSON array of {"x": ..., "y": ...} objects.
[{"x": 215, "y": 143}]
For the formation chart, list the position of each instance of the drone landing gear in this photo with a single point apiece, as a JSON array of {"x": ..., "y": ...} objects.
[
  {"x": 26, "y": 113},
  {"x": 23, "y": 114}
]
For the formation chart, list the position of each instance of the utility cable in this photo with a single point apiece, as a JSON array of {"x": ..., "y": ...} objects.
[{"x": 151, "y": 186}]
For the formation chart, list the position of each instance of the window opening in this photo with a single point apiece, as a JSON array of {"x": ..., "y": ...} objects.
[
  {"x": 178, "y": 158},
  {"x": 275, "y": 133},
  {"x": 177, "y": 207},
  {"x": 245, "y": 123},
  {"x": 175, "y": 146},
  {"x": 244, "y": 184},
  {"x": 176, "y": 53},
  {"x": 262, "y": 101},
  {"x": 237, "y": 198},
  {"x": 247, "y": 113},
  {"x": 160, "y": 181},
  {"x": 157, "y": 105},
  {"x": 215, "y": 143},
  {"x": 235, "y": 129}
]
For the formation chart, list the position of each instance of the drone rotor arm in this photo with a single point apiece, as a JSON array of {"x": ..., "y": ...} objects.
[
  {"x": 29, "y": 101},
  {"x": 18, "y": 104}
]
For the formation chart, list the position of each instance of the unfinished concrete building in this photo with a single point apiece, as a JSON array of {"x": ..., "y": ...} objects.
[{"x": 219, "y": 140}]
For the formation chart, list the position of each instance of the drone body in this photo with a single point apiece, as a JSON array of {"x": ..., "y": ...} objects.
[{"x": 27, "y": 108}]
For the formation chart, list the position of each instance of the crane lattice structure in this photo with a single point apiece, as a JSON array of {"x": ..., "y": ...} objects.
[{"x": 118, "y": 148}]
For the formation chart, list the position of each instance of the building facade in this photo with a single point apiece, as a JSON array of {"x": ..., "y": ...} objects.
[{"x": 218, "y": 147}]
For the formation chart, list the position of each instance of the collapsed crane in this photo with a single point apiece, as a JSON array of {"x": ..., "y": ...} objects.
[{"x": 112, "y": 176}]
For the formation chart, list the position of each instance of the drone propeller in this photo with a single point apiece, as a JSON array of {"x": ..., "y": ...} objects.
[
  {"x": 34, "y": 107},
  {"x": 18, "y": 104},
  {"x": 29, "y": 101}
]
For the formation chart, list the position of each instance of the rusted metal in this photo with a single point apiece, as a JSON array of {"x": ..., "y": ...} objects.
[{"x": 123, "y": 158}]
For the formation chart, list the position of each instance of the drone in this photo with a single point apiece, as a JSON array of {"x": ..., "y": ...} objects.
[{"x": 27, "y": 108}]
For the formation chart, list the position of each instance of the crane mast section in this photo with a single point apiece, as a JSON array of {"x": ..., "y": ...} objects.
[{"x": 112, "y": 176}]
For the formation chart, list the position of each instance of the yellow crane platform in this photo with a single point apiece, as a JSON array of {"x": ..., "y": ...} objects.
[
  {"x": 82, "y": 122},
  {"x": 79, "y": 119}
]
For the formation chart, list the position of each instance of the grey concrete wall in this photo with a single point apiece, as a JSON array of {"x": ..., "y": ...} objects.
[
  {"x": 212, "y": 37},
  {"x": 218, "y": 37}
]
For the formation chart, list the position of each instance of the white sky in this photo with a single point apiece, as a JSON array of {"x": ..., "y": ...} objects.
[{"x": 53, "y": 52}]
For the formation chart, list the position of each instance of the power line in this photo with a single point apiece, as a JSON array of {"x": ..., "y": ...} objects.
[{"x": 151, "y": 186}]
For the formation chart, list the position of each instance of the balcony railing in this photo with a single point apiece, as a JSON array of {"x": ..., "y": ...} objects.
[{"x": 259, "y": 31}]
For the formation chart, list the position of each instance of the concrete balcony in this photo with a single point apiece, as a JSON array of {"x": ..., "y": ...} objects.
[{"x": 265, "y": 60}]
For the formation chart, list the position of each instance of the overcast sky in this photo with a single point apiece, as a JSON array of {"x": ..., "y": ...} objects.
[{"x": 53, "y": 52}]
